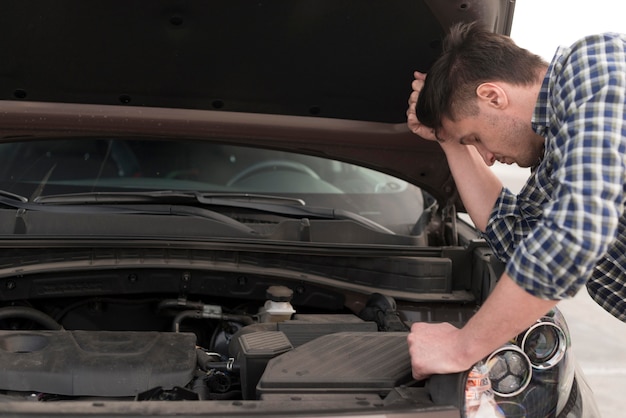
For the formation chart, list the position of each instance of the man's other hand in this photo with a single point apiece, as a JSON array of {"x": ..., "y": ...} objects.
[{"x": 412, "y": 122}]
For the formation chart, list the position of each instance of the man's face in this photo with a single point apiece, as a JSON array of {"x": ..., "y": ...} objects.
[{"x": 498, "y": 136}]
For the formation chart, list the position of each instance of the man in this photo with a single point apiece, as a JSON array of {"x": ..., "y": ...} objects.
[{"x": 486, "y": 99}]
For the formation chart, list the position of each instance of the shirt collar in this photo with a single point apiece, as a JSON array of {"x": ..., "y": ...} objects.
[{"x": 542, "y": 113}]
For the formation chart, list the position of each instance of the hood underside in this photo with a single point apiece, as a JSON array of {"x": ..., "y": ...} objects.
[
  {"x": 323, "y": 60},
  {"x": 339, "y": 59}
]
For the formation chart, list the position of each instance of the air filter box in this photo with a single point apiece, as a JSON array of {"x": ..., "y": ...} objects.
[{"x": 255, "y": 350}]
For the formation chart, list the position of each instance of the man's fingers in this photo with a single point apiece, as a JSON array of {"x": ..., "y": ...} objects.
[
  {"x": 413, "y": 123},
  {"x": 417, "y": 85},
  {"x": 419, "y": 76},
  {"x": 419, "y": 377}
]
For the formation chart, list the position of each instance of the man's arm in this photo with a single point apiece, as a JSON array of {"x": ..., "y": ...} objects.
[
  {"x": 509, "y": 309},
  {"x": 478, "y": 186},
  {"x": 442, "y": 348}
]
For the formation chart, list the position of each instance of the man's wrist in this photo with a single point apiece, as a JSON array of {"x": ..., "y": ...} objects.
[{"x": 470, "y": 350}]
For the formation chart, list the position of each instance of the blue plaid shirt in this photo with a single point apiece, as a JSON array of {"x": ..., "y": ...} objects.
[{"x": 567, "y": 226}]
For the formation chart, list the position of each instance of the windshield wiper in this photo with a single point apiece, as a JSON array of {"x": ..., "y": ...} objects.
[
  {"x": 168, "y": 195},
  {"x": 13, "y": 196},
  {"x": 277, "y": 205},
  {"x": 84, "y": 204}
]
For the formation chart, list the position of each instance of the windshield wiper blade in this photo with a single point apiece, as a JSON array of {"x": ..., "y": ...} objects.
[
  {"x": 160, "y": 195},
  {"x": 212, "y": 198}
]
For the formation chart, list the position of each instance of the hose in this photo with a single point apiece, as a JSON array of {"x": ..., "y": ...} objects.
[
  {"x": 244, "y": 319},
  {"x": 25, "y": 312}
]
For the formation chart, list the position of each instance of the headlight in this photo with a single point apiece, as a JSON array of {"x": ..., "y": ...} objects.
[
  {"x": 544, "y": 343},
  {"x": 510, "y": 371},
  {"x": 531, "y": 376}
]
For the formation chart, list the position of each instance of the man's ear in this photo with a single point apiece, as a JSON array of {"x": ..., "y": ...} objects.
[{"x": 493, "y": 95}]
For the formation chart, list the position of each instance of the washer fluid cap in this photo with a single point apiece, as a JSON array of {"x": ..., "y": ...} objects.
[{"x": 279, "y": 293}]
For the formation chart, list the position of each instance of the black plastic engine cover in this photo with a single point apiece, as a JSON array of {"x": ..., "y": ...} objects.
[
  {"x": 341, "y": 362},
  {"x": 95, "y": 363}
]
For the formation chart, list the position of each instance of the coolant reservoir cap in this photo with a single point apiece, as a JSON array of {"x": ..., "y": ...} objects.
[{"x": 279, "y": 293}]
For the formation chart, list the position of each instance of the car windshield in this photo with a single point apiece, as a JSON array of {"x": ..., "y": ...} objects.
[{"x": 39, "y": 168}]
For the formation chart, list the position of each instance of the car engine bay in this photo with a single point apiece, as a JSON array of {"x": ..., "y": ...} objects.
[
  {"x": 140, "y": 348},
  {"x": 230, "y": 328}
]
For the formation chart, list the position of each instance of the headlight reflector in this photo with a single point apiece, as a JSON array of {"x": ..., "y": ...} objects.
[
  {"x": 544, "y": 343},
  {"x": 510, "y": 371}
]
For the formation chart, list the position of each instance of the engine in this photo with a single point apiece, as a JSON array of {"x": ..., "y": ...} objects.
[{"x": 208, "y": 352}]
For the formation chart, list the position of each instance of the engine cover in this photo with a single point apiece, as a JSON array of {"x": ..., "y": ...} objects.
[
  {"x": 341, "y": 362},
  {"x": 90, "y": 363}
]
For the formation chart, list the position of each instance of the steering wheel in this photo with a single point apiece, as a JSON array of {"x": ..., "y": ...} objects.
[{"x": 272, "y": 165}]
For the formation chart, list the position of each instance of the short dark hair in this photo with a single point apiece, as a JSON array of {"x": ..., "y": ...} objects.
[{"x": 471, "y": 56}]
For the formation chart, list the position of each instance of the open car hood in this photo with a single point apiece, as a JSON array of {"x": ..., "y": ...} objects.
[{"x": 325, "y": 77}]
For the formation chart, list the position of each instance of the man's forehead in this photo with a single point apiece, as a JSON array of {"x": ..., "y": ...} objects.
[{"x": 449, "y": 130}]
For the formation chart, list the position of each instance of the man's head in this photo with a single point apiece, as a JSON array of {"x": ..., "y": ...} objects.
[
  {"x": 480, "y": 83},
  {"x": 471, "y": 56}
]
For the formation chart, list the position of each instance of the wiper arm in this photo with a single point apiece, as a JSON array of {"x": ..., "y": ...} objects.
[
  {"x": 289, "y": 207},
  {"x": 13, "y": 196}
]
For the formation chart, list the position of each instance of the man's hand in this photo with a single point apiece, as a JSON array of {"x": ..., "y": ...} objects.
[
  {"x": 442, "y": 348},
  {"x": 413, "y": 123},
  {"x": 435, "y": 349}
]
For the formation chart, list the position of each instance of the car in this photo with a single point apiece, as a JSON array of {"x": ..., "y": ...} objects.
[{"x": 216, "y": 209}]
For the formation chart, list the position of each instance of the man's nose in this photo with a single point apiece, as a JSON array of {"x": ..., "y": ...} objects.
[{"x": 488, "y": 157}]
